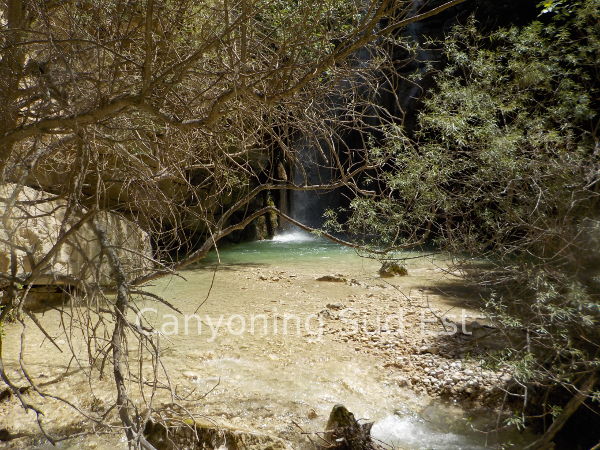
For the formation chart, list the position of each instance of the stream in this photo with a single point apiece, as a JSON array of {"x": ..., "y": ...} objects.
[{"x": 274, "y": 381}]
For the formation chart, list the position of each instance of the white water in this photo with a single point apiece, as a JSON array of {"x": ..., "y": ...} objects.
[
  {"x": 413, "y": 432},
  {"x": 294, "y": 236}
]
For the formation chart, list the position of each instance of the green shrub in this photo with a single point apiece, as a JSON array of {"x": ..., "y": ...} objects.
[{"x": 505, "y": 167}]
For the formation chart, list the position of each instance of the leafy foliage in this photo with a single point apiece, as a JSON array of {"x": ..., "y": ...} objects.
[{"x": 505, "y": 166}]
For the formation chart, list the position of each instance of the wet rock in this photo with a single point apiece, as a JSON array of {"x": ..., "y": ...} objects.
[
  {"x": 327, "y": 314},
  {"x": 336, "y": 306},
  {"x": 257, "y": 230},
  {"x": 206, "y": 435},
  {"x": 337, "y": 278},
  {"x": 391, "y": 268},
  {"x": 343, "y": 432}
]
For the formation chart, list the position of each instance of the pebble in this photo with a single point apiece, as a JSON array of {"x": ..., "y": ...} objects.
[{"x": 190, "y": 374}]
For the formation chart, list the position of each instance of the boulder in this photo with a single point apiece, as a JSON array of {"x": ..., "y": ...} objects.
[
  {"x": 391, "y": 268},
  {"x": 30, "y": 225},
  {"x": 206, "y": 435},
  {"x": 343, "y": 432}
]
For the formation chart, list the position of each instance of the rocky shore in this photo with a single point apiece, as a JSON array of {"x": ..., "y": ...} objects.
[{"x": 423, "y": 345}]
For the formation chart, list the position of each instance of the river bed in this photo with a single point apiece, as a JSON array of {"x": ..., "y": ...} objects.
[{"x": 256, "y": 339}]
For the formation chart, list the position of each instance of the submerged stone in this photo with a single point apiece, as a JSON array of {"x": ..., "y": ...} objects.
[
  {"x": 338, "y": 278},
  {"x": 391, "y": 268}
]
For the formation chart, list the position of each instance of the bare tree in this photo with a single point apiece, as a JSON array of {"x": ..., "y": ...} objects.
[{"x": 175, "y": 116}]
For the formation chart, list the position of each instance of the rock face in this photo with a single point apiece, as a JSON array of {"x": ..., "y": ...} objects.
[
  {"x": 30, "y": 225},
  {"x": 198, "y": 435}
]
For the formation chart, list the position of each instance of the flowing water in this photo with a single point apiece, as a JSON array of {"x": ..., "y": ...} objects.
[
  {"x": 280, "y": 382},
  {"x": 273, "y": 381}
]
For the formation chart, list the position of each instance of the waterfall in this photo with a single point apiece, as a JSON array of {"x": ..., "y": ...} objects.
[
  {"x": 314, "y": 165},
  {"x": 312, "y": 168}
]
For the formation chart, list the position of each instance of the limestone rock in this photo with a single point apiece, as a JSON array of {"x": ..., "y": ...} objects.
[
  {"x": 258, "y": 229},
  {"x": 31, "y": 224}
]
